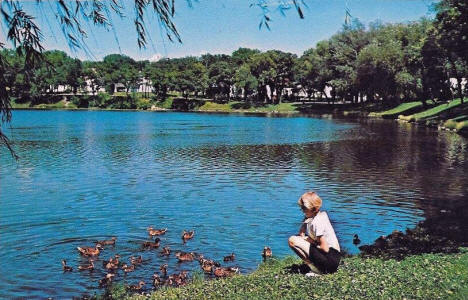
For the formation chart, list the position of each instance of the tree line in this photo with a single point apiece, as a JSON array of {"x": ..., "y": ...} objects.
[{"x": 383, "y": 62}]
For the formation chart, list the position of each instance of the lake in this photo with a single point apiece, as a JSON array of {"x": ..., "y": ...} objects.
[{"x": 84, "y": 176}]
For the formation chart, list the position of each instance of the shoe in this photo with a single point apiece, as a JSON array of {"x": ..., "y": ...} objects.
[{"x": 312, "y": 274}]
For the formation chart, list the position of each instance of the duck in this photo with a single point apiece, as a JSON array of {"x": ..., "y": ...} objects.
[
  {"x": 356, "y": 240},
  {"x": 229, "y": 257},
  {"x": 225, "y": 272},
  {"x": 267, "y": 253},
  {"x": 89, "y": 266},
  {"x": 112, "y": 263},
  {"x": 163, "y": 270},
  {"x": 128, "y": 269},
  {"x": 151, "y": 244},
  {"x": 207, "y": 265},
  {"x": 90, "y": 251},
  {"x": 136, "y": 287},
  {"x": 187, "y": 235},
  {"x": 166, "y": 251},
  {"x": 106, "y": 280},
  {"x": 108, "y": 242},
  {"x": 183, "y": 256},
  {"x": 156, "y": 232},
  {"x": 157, "y": 281},
  {"x": 136, "y": 260},
  {"x": 177, "y": 279},
  {"x": 65, "y": 267}
]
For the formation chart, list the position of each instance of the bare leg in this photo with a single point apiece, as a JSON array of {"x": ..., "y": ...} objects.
[{"x": 301, "y": 247}]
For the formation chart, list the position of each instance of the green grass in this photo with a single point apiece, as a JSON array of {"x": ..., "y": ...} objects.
[
  {"x": 20, "y": 105},
  {"x": 427, "y": 276},
  {"x": 236, "y": 106},
  {"x": 433, "y": 112},
  {"x": 401, "y": 109}
]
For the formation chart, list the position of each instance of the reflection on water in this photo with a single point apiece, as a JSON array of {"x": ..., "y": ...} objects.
[{"x": 85, "y": 176}]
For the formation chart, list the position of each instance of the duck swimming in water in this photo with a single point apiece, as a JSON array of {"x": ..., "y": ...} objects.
[
  {"x": 267, "y": 253},
  {"x": 90, "y": 251},
  {"x": 166, "y": 251},
  {"x": 183, "y": 256},
  {"x": 136, "y": 287},
  {"x": 89, "y": 266},
  {"x": 65, "y": 267},
  {"x": 225, "y": 272},
  {"x": 156, "y": 232},
  {"x": 187, "y": 235},
  {"x": 229, "y": 257},
  {"x": 356, "y": 240},
  {"x": 150, "y": 245},
  {"x": 163, "y": 270},
  {"x": 108, "y": 242}
]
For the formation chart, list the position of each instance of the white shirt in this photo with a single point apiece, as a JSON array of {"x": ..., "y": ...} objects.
[{"x": 320, "y": 226}]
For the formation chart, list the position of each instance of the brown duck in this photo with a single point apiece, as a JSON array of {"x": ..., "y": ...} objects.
[
  {"x": 225, "y": 272},
  {"x": 267, "y": 253},
  {"x": 136, "y": 260},
  {"x": 229, "y": 257},
  {"x": 85, "y": 267},
  {"x": 151, "y": 245},
  {"x": 108, "y": 242},
  {"x": 163, "y": 270},
  {"x": 106, "y": 280},
  {"x": 187, "y": 235},
  {"x": 128, "y": 269},
  {"x": 156, "y": 232},
  {"x": 157, "y": 281},
  {"x": 166, "y": 251},
  {"x": 90, "y": 251},
  {"x": 65, "y": 267},
  {"x": 183, "y": 256},
  {"x": 136, "y": 287}
]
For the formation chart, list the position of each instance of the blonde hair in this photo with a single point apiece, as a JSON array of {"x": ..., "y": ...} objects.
[{"x": 310, "y": 200}]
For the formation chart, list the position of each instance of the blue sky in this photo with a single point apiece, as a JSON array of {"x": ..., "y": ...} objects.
[{"x": 222, "y": 26}]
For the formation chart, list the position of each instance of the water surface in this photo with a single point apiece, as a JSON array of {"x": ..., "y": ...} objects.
[{"x": 89, "y": 175}]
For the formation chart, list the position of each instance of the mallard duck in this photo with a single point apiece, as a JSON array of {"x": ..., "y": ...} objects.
[
  {"x": 136, "y": 287},
  {"x": 267, "y": 252},
  {"x": 187, "y": 235},
  {"x": 163, "y": 270},
  {"x": 89, "y": 251},
  {"x": 108, "y": 242},
  {"x": 85, "y": 267},
  {"x": 156, "y": 232},
  {"x": 136, "y": 260},
  {"x": 356, "y": 240},
  {"x": 229, "y": 257},
  {"x": 112, "y": 263},
  {"x": 225, "y": 272},
  {"x": 206, "y": 267},
  {"x": 128, "y": 269},
  {"x": 183, "y": 256},
  {"x": 151, "y": 245},
  {"x": 65, "y": 267},
  {"x": 106, "y": 280},
  {"x": 166, "y": 251}
]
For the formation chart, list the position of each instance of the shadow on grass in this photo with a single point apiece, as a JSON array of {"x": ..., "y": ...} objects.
[{"x": 297, "y": 269}]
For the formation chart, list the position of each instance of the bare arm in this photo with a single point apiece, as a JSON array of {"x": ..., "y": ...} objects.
[
  {"x": 302, "y": 230},
  {"x": 322, "y": 244}
]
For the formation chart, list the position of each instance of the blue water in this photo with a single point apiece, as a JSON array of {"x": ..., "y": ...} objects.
[{"x": 83, "y": 176}]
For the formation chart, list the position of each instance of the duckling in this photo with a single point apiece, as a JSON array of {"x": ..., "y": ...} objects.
[
  {"x": 163, "y": 270},
  {"x": 207, "y": 267},
  {"x": 106, "y": 280},
  {"x": 128, "y": 269},
  {"x": 65, "y": 267},
  {"x": 112, "y": 263},
  {"x": 356, "y": 240},
  {"x": 156, "y": 232},
  {"x": 151, "y": 245},
  {"x": 183, "y": 256},
  {"x": 229, "y": 257},
  {"x": 136, "y": 287},
  {"x": 136, "y": 260},
  {"x": 108, "y": 242},
  {"x": 166, "y": 251},
  {"x": 89, "y": 251},
  {"x": 187, "y": 235},
  {"x": 89, "y": 266},
  {"x": 225, "y": 272},
  {"x": 267, "y": 253},
  {"x": 157, "y": 281}
]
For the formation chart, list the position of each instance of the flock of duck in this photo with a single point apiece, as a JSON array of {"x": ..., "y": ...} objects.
[{"x": 114, "y": 264}]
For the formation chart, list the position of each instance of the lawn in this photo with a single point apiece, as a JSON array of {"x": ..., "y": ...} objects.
[{"x": 433, "y": 112}]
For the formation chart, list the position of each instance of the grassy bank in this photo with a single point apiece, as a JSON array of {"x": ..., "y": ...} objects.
[{"x": 427, "y": 276}]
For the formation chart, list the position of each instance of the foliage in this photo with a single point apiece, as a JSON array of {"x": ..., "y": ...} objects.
[{"x": 428, "y": 276}]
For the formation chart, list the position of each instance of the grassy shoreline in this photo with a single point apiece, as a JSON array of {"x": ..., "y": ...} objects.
[{"x": 426, "y": 276}]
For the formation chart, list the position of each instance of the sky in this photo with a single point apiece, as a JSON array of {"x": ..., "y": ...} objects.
[{"x": 222, "y": 26}]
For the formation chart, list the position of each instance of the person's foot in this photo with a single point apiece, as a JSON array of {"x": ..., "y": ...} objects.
[{"x": 312, "y": 274}]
